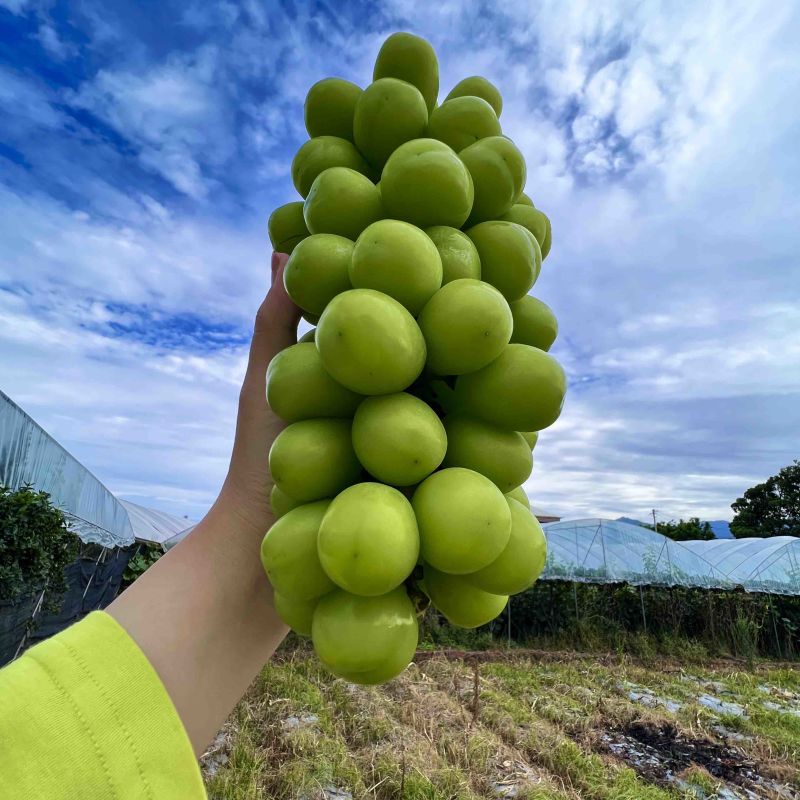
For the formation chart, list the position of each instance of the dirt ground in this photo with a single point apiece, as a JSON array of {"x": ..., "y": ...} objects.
[{"x": 517, "y": 724}]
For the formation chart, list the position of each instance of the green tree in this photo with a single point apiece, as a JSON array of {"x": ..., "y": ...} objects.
[
  {"x": 683, "y": 530},
  {"x": 771, "y": 508},
  {"x": 35, "y": 544}
]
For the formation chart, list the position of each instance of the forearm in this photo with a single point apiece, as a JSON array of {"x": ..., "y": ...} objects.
[{"x": 203, "y": 616}]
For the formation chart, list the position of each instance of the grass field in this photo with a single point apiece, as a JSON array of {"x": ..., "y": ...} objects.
[{"x": 541, "y": 726}]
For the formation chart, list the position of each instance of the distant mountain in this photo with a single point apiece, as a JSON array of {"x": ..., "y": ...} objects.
[
  {"x": 631, "y": 521},
  {"x": 721, "y": 528}
]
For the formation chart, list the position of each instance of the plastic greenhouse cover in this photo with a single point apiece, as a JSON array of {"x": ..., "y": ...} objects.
[
  {"x": 178, "y": 537},
  {"x": 156, "y": 527},
  {"x": 28, "y": 455},
  {"x": 608, "y": 551},
  {"x": 759, "y": 565}
]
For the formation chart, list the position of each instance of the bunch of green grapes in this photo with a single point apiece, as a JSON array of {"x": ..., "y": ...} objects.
[{"x": 413, "y": 404}]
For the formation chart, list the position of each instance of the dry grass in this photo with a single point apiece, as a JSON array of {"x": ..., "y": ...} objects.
[{"x": 538, "y": 729}]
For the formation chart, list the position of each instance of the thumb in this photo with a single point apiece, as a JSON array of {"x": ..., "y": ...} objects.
[{"x": 278, "y": 262}]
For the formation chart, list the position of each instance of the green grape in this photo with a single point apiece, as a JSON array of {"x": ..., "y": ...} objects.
[
  {"x": 523, "y": 559},
  {"x": 389, "y": 668},
  {"x": 321, "y": 153},
  {"x": 548, "y": 240},
  {"x": 369, "y": 343},
  {"x": 298, "y": 387},
  {"x": 524, "y": 200},
  {"x": 466, "y": 325},
  {"x": 399, "y": 259},
  {"x": 520, "y": 495},
  {"x": 476, "y": 86},
  {"x": 522, "y": 389},
  {"x": 463, "y": 121},
  {"x": 368, "y": 541},
  {"x": 308, "y": 336},
  {"x": 297, "y": 614},
  {"x": 464, "y": 520},
  {"x": 534, "y": 323},
  {"x": 365, "y": 639},
  {"x": 510, "y": 256},
  {"x": 534, "y": 220},
  {"x": 458, "y": 254},
  {"x": 317, "y": 271},
  {"x": 388, "y": 113},
  {"x": 342, "y": 201},
  {"x": 280, "y": 502},
  {"x": 412, "y": 59},
  {"x": 329, "y": 108},
  {"x": 531, "y": 437},
  {"x": 425, "y": 183},
  {"x": 501, "y": 455},
  {"x": 464, "y": 604},
  {"x": 398, "y": 438},
  {"x": 287, "y": 228},
  {"x": 498, "y": 175},
  {"x": 289, "y": 553},
  {"x": 313, "y": 459}
]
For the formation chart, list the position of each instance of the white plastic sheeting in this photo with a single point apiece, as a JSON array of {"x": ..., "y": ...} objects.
[
  {"x": 759, "y": 565},
  {"x": 609, "y": 551},
  {"x": 155, "y": 527},
  {"x": 179, "y": 537},
  {"x": 28, "y": 455}
]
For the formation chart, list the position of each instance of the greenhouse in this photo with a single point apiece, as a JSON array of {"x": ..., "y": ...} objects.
[
  {"x": 155, "y": 527},
  {"x": 610, "y": 551},
  {"x": 110, "y": 529},
  {"x": 30, "y": 456}
]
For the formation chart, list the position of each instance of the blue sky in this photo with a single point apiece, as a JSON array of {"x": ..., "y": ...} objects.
[{"x": 143, "y": 146}]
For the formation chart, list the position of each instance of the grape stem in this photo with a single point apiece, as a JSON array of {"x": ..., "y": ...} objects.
[{"x": 419, "y": 599}]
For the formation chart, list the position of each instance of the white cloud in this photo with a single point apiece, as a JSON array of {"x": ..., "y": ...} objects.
[
  {"x": 568, "y": 79},
  {"x": 207, "y": 15},
  {"x": 172, "y": 112},
  {"x": 641, "y": 103},
  {"x": 602, "y": 90},
  {"x": 542, "y": 144},
  {"x": 176, "y": 264},
  {"x": 597, "y": 159},
  {"x": 15, "y": 6},
  {"x": 32, "y": 103},
  {"x": 585, "y": 127},
  {"x": 52, "y": 42}
]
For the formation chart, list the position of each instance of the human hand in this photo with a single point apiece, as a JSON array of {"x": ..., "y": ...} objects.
[{"x": 245, "y": 494}]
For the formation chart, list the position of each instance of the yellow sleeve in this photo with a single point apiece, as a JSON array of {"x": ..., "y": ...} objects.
[{"x": 84, "y": 715}]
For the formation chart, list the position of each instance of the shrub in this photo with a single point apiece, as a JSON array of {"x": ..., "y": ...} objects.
[
  {"x": 687, "y": 623},
  {"x": 35, "y": 545},
  {"x": 146, "y": 555}
]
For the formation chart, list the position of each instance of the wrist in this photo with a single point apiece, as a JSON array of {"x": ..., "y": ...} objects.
[{"x": 244, "y": 510}]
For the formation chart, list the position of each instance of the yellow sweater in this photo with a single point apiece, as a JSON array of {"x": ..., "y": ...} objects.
[{"x": 84, "y": 715}]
